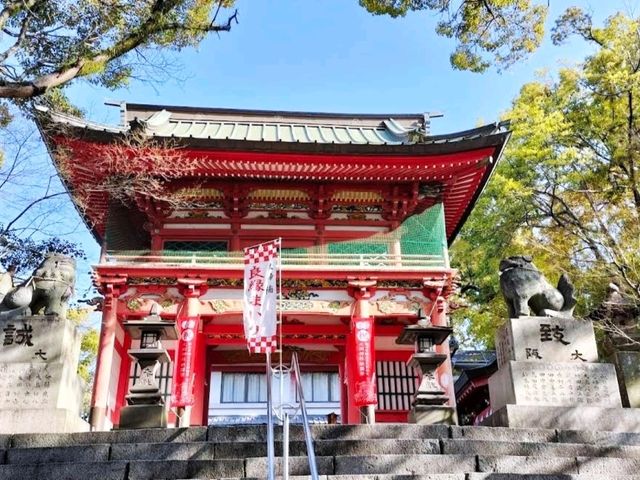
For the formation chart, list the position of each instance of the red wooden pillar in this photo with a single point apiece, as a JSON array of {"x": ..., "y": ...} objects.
[
  {"x": 123, "y": 376},
  {"x": 199, "y": 414},
  {"x": 156, "y": 243},
  {"x": 361, "y": 291},
  {"x": 100, "y": 397},
  {"x": 344, "y": 408},
  {"x": 189, "y": 311},
  {"x": 234, "y": 245}
]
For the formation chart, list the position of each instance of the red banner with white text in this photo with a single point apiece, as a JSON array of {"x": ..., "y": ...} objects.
[
  {"x": 182, "y": 385},
  {"x": 260, "y": 296},
  {"x": 361, "y": 362}
]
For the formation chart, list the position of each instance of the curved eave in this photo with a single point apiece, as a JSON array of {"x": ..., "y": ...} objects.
[
  {"x": 489, "y": 135},
  {"x": 488, "y": 141},
  {"x": 46, "y": 128},
  {"x": 487, "y": 175}
]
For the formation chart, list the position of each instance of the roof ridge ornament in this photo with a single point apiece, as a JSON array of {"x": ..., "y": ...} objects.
[
  {"x": 395, "y": 128},
  {"x": 157, "y": 120}
]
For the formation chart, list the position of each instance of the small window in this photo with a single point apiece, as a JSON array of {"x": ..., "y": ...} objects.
[
  {"x": 244, "y": 388},
  {"x": 318, "y": 387},
  {"x": 321, "y": 387},
  {"x": 396, "y": 385}
]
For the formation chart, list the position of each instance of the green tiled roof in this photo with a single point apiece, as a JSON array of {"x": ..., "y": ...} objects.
[
  {"x": 387, "y": 133},
  {"x": 262, "y": 126}
]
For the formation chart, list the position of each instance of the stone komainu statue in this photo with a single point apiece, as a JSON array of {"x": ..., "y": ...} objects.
[
  {"x": 526, "y": 290},
  {"x": 47, "y": 290}
]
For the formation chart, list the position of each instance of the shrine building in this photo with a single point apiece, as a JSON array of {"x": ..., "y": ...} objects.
[{"x": 365, "y": 206}]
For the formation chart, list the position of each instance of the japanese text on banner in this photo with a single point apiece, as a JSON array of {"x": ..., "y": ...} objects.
[{"x": 260, "y": 296}]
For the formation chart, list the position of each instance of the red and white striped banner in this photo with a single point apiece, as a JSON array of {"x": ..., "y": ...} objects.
[{"x": 260, "y": 296}]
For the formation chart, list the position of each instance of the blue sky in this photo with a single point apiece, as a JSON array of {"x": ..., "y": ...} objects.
[{"x": 330, "y": 55}]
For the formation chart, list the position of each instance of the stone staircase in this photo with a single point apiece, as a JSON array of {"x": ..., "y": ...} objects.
[{"x": 356, "y": 452}]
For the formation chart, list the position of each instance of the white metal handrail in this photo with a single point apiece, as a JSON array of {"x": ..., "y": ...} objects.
[
  {"x": 270, "y": 437},
  {"x": 313, "y": 468}
]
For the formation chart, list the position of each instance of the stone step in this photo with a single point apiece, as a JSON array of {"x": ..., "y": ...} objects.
[
  {"x": 321, "y": 432},
  {"x": 65, "y": 454},
  {"x": 456, "y": 476},
  {"x": 599, "y": 437},
  {"x": 404, "y": 464},
  {"x": 537, "y": 435},
  {"x": 155, "y": 435},
  {"x": 529, "y": 476},
  {"x": 210, "y": 450},
  {"x": 251, "y": 433},
  {"x": 558, "y": 465},
  {"x": 438, "y": 467},
  {"x": 490, "y": 447},
  {"x": 159, "y": 469},
  {"x": 344, "y": 452},
  {"x": 66, "y": 471},
  {"x": 540, "y": 435},
  {"x": 258, "y": 433}
]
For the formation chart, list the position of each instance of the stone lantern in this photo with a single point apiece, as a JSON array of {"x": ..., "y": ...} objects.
[
  {"x": 145, "y": 405},
  {"x": 430, "y": 403}
]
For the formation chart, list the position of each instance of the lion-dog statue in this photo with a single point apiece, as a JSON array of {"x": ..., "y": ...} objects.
[
  {"x": 526, "y": 290},
  {"x": 47, "y": 290}
]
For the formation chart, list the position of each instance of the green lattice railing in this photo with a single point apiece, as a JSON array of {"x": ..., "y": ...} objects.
[{"x": 418, "y": 243}]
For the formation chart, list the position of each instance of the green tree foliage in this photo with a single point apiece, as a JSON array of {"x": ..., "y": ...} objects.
[
  {"x": 568, "y": 188},
  {"x": 47, "y": 44},
  {"x": 88, "y": 351},
  {"x": 24, "y": 254},
  {"x": 89, "y": 343},
  {"x": 498, "y": 32}
]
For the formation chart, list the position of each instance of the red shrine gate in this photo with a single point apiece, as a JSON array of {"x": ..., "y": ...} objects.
[{"x": 365, "y": 206}]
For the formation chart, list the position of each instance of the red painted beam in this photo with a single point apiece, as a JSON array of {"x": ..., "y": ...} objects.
[
  {"x": 302, "y": 273},
  {"x": 238, "y": 329},
  {"x": 240, "y": 340}
]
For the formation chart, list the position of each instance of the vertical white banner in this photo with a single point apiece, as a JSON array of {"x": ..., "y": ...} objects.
[{"x": 260, "y": 296}]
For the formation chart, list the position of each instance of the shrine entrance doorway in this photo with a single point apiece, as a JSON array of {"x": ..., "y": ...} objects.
[{"x": 237, "y": 392}]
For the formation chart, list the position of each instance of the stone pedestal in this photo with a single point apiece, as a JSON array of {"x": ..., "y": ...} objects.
[
  {"x": 547, "y": 339},
  {"x": 554, "y": 384},
  {"x": 143, "y": 416},
  {"x": 566, "y": 418},
  {"x": 40, "y": 390},
  {"x": 547, "y": 378},
  {"x": 433, "y": 415}
]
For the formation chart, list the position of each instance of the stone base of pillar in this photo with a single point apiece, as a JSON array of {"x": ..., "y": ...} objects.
[
  {"x": 433, "y": 415},
  {"x": 143, "y": 416},
  {"x": 97, "y": 418},
  {"x": 184, "y": 417},
  {"x": 368, "y": 414}
]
